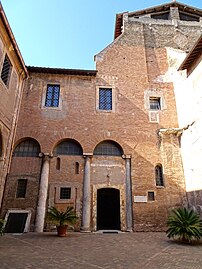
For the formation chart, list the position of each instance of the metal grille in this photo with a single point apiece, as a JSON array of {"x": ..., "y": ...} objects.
[
  {"x": 6, "y": 70},
  {"x": 52, "y": 95},
  {"x": 21, "y": 188},
  {"x": 69, "y": 147},
  {"x": 105, "y": 99},
  {"x": 155, "y": 103},
  {"x": 151, "y": 196},
  {"x": 159, "y": 175},
  {"x": 27, "y": 148},
  {"x": 65, "y": 193},
  {"x": 109, "y": 148}
]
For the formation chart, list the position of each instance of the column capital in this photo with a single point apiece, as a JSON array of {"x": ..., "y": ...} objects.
[
  {"x": 46, "y": 156},
  {"x": 87, "y": 155},
  {"x": 126, "y": 156}
]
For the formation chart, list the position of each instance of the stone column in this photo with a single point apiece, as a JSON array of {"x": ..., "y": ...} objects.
[
  {"x": 43, "y": 191},
  {"x": 86, "y": 196},
  {"x": 129, "y": 218}
]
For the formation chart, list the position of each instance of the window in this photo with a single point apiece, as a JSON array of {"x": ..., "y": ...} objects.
[
  {"x": 109, "y": 148},
  {"x": 65, "y": 193},
  {"x": 105, "y": 99},
  {"x": 155, "y": 103},
  {"x": 68, "y": 147},
  {"x": 76, "y": 168},
  {"x": 150, "y": 196},
  {"x": 188, "y": 17},
  {"x": 159, "y": 175},
  {"x": 58, "y": 163},
  {"x": 6, "y": 71},
  {"x": 160, "y": 16},
  {"x": 52, "y": 95},
  {"x": 27, "y": 148},
  {"x": 21, "y": 188}
]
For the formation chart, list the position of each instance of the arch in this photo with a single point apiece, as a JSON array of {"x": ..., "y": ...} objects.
[
  {"x": 159, "y": 175},
  {"x": 29, "y": 147},
  {"x": 109, "y": 148},
  {"x": 68, "y": 147}
]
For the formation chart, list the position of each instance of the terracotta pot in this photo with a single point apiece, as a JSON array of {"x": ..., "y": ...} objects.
[{"x": 62, "y": 230}]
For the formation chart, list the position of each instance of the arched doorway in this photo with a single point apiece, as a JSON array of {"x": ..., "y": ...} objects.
[{"x": 108, "y": 209}]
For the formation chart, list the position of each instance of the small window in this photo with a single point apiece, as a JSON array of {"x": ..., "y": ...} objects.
[
  {"x": 76, "y": 168},
  {"x": 6, "y": 71},
  {"x": 52, "y": 95},
  {"x": 159, "y": 175},
  {"x": 65, "y": 193},
  {"x": 150, "y": 196},
  {"x": 58, "y": 163},
  {"x": 105, "y": 99},
  {"x": 21, "y": 188},
  {"x": 155, "y": 103}
]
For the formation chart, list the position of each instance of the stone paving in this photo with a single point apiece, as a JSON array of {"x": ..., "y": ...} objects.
[{"x": 94, "y": 250}]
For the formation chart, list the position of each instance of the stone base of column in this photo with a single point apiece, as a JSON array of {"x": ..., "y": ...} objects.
[{"x": 85, "y": 230}]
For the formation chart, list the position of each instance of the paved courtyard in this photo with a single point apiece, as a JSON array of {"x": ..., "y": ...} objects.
[{"x": 94, "y": 250}]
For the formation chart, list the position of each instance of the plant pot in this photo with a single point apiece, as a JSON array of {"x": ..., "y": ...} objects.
[{"x": 62, "y": 230}]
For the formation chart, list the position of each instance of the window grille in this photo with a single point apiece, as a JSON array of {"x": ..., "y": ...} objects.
[
  {"x": 27, "y": 148},
  {"x": 6, "y": 71},
  {"x": 69, "y": 147},
  {"x": 105, "y": 99},
  {"x": 109, "y": 148},
  {"x": 155, "y": 103},
  {"x": 21, "y": 188},
  {"x": 159, "y": 175},
  {"x": 52, "y": 95},
  {"x": 151, "y": 196},
  {"x": 65, "y": 193}
]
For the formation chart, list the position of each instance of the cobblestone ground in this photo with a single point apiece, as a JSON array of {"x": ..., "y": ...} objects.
[{"x": 94, "y": 250}]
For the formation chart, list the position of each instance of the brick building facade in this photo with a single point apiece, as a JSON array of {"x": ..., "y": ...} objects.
[{"x": 106, "y": 142}]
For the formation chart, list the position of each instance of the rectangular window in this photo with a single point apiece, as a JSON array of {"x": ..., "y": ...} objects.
[
  {"x": 6, "y": 71},
  {"x": 155, "y": 103},
  {"x": 21, "y": 188},
  {"x": 65, "y": 193},
  {"x": 150, "y": 196},
  {"x": 52, "y": 95},
  {"x": 105, "y": 99}
]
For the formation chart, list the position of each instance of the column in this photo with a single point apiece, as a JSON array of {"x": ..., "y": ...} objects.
[
  {"x": 129, "y": 218},
  {"x": 43, "y": 191},
  {"x": 86, "y": 196}
]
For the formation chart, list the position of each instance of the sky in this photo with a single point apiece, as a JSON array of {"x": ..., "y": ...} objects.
[{"x": 68, "y": 33}]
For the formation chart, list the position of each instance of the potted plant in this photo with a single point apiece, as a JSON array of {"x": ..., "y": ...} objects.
[
  {"x": 185, "y": 225},
  {"x": 62, "y": 219}
]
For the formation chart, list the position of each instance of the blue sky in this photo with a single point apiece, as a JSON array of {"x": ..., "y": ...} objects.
[{"x": 68, "y": 33}]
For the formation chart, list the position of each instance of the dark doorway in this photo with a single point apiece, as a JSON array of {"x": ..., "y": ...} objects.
[
  {"x": 108, "y": 209},
  {"x": 16, "y": 222}
]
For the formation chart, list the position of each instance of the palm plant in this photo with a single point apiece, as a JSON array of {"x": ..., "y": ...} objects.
[
  {"x": 61, "y": 218},
  {"x": 184, "y": 224}
]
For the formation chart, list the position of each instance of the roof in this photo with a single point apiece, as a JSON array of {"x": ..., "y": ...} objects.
[
  {"x": 63, "y": 71},
  {"x": 12, "y": 38},
  {"x": 192, "y": 55},
  {"x": 155, "y": 9}
]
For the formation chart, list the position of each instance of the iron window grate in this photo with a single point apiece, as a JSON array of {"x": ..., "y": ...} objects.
[
  {"x": 65, "y": 193},
  {"x": 6, "y": 71},
  {"x": 68, "y": 148},
  {"x": 52, "y": 95},
  {"x": 108, "y": 148},
  {"x": 155, "y": 103},
  {"x": 27, "y": 148},
  {"x": 105, "y": 99}
]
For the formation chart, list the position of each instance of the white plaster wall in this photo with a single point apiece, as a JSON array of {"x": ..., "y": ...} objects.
[{"x": 188, "y": 93}]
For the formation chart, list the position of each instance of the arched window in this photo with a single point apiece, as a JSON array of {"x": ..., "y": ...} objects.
[
  {"x": 159, "y": 175},
  {"x": 27, "y": 148},
  {"x": 109, "y": 148},
  {"x": 76, "y": 168},
  {"x": 68, "y": 147},
  {"x": 58, "y": 163}
]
